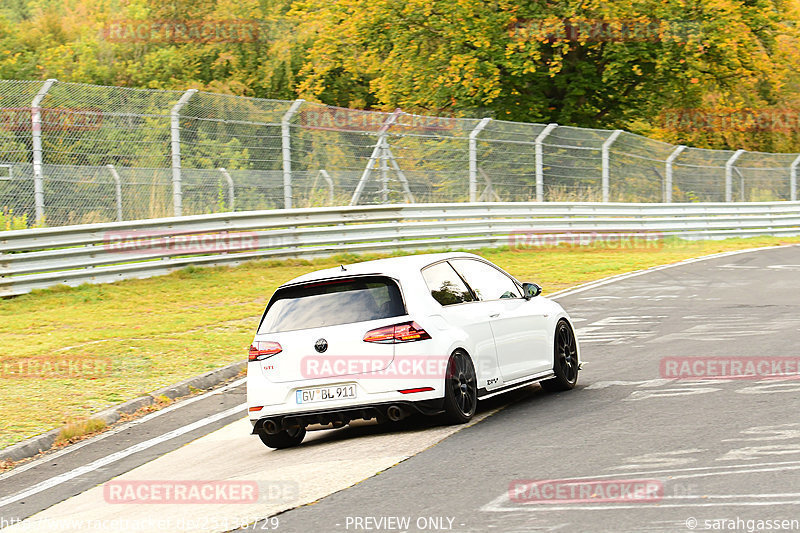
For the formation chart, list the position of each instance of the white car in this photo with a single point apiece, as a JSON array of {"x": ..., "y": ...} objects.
[{"x": 431, "y": 334}]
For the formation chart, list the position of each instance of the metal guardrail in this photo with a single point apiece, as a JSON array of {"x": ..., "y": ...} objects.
[{"x": 102, "y": 253}]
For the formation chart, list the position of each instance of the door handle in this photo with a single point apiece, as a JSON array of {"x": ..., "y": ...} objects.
[{"x": 494, "y": 315}]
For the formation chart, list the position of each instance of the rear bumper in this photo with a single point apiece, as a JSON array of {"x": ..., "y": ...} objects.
[{"x": 345, "y": 415}]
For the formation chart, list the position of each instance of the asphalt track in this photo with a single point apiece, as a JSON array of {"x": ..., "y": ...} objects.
[{"x": 721, "y": 454}]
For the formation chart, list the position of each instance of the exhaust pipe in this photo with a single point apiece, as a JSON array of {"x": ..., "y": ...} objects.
[
  {"x": 271, "y": 427},
  {"x": 396, "y": 413}
]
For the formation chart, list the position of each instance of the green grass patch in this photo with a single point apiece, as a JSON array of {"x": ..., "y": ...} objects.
[{"x": 158, "y": 331}]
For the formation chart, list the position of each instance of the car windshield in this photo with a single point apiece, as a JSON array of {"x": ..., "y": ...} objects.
[{"x": 331, "y": 303}]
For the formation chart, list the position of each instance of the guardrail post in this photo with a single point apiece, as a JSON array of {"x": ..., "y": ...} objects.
[
  {"x": 793, "y": 179},
  {"x": 604, "y": 161},
  {"x": 229, "y": 181},
  {"x": 36, "y": 132},
  {"x": 537, "y": 145},
  {"x": 286, "y": 148},
  {"x": 473, "y": 158},
  {"x": 729, "y": 174},
  {"x": 117, "y": 190},
  {"x": 668, "y": 178},
  {"x": 175, "y": 136}
]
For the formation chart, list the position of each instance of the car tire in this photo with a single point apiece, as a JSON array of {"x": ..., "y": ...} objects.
[
  {"x": 460, "y": 389},
  {"x": 286, "y": 438},
  {"x": 565, "y": 365}
]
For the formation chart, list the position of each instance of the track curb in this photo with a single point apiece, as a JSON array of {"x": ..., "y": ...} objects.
[{"x": 41, "y": 443}]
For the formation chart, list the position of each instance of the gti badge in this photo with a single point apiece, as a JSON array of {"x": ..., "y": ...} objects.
[{"x": 321, "y": 345}]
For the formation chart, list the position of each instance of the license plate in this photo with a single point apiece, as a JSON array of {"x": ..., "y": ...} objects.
[{"x": 326, "y": 394}]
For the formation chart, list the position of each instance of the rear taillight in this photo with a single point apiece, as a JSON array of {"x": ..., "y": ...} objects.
[
  {"x": 262, "y": 349},
  {"x": 411, "y": 391},
  {"x": 405, "y": 332}
]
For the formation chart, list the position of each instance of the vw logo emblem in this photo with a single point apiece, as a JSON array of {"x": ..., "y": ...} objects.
[{"x": 321, "y": 345}]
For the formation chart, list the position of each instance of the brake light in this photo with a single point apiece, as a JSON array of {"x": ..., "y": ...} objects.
[
  {"x": 405, "y": 332},
  {"x": 412, "y": 391},
  {"x": 262, "y": 349}
]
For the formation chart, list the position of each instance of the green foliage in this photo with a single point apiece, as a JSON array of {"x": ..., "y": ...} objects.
[
  {"x": 584, "y": 63},
  {"x": 10, "y": 221}
]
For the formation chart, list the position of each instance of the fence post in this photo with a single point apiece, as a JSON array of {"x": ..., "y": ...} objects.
[
  {"x": 793, "y": 179},
  {"x": 473, "y": 158},
  {"x": 376, "y": 153},
  {"x": 286, "y": 146},
  {"x": 537, "y": 146},
  {"x": 668, "y": 179},
  {"x": 175, "y": 135},
  {"x": 229, "y": 181},
  {"x": 384, "y": 165},
  {"x": 604, "y": 161},
  {"x": 36, "y": 132},
  {"x": 117, "y": 189},
  {"x": 729, "y": 174}
]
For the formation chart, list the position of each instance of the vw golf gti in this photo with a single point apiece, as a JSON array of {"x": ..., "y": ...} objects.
[{"x": 384, "y": 339}]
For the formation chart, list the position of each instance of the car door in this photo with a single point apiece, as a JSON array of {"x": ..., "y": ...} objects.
[
  {"x": 462, "y": 310},
  {"x": 518, "y": 325}
]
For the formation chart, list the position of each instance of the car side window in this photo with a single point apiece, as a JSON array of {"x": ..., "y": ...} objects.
[
  {"x": 487, "y": 282},
  {"x": 445, "y": 285}
]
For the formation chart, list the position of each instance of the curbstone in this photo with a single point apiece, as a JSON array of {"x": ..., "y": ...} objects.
[{"x": 41, "y": 443}]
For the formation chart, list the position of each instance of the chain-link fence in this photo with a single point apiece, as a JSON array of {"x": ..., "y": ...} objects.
[{"x": 74, "y": 153}]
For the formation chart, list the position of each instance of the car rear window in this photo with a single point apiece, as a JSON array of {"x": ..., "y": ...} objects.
[{"x": 331, "y": 303}]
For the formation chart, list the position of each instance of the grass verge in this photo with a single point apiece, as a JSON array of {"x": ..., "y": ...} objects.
[
  {"x": 77, "y": 430},
  {"x": 70, "y": 352}
]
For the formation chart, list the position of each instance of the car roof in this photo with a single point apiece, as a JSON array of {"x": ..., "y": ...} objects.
[{"x": 394, "y": 267}]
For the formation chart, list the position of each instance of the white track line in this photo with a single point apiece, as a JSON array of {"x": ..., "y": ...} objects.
[
  {"x": 73, "y": 447},
  {"x": 619, "y": 277},
  {"x": 114, "y": 457},
  {"x": 200, "y": 423}
]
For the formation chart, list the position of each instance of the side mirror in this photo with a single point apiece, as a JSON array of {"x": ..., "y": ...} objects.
[{"x": 531, "y": 290}]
